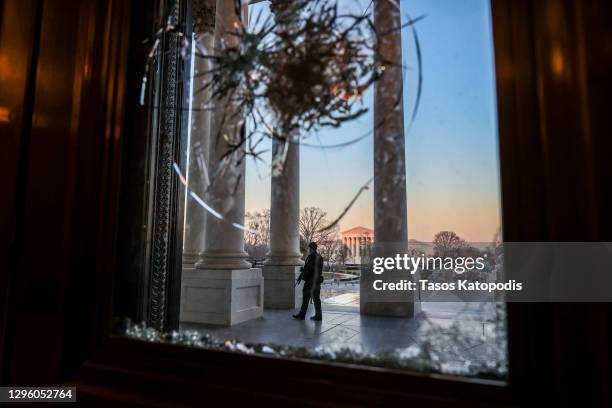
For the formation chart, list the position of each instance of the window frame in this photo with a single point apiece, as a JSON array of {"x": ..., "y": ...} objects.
[{"x": 107, "y": 368}]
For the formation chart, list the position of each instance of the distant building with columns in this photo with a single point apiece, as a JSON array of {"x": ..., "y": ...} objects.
[{"x": 358, "y": 242}]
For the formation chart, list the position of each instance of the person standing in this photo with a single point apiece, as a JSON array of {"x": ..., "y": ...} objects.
[{"x": 312, "y": 275}]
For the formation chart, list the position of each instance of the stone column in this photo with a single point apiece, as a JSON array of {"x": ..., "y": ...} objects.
[
  {"x": 197, "y": 172},
  {"x": 282, "y": 265},
  {"x": 390, "y": 211},
  {"x": 224, "y": 289},
  {"x": 283, "y": 262}
]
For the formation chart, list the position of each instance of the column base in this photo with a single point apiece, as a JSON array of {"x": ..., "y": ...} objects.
[
  {"x": 221, "y": 297},
  {"x": 223, "y": 260},
  {"x": 280, "y": 290},
  {"x": 190, "y": 259},
  {"x": 284, "y": 259},
  {"x": 390, "y": 303}
]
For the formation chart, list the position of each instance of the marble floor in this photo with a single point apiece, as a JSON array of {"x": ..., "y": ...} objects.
[{"x": 369, "y": 333}]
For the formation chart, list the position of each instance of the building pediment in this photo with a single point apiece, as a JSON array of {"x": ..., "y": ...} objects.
[{"x": 358, "y": 231}]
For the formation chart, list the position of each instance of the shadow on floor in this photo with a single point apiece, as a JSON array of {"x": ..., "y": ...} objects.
[{"x": 368, "y": 333}]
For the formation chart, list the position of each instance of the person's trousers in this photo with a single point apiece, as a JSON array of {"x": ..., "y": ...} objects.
[{"x": 316, "y": 299}]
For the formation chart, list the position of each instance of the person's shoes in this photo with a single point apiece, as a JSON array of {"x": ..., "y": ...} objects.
[
  {"x": 298, "y": 317},
  {"x": 316, "y": 318}
]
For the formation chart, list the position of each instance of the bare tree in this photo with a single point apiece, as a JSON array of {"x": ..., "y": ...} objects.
[
  {"x": 448, "y": 243},
  {"x": 330, "y": 251},
  {"x": 257, "y": 234},
  {"x": 342, "y": 254},
  {"x": 312, "y": 219},
  {"x": 313, "y": 223}
]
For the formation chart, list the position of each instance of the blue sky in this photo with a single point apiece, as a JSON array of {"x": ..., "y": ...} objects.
[{"x": 451, "y": 149}]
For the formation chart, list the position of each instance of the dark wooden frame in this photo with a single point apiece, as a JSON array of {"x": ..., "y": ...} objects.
[
  {"x": 63, "y": 164},
  {"x": 161, "y": 272}
]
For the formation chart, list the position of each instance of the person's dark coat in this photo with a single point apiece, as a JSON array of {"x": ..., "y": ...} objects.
[
  {"x": 313, "y": 270},
  {"x": 312, "y": 274}
]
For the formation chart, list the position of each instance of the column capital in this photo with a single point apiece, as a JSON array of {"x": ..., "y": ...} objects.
[{"x": 203, "y": 16}]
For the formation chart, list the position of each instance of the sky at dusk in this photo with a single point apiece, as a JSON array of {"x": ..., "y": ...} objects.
[{"x": 451, "y": 148}]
